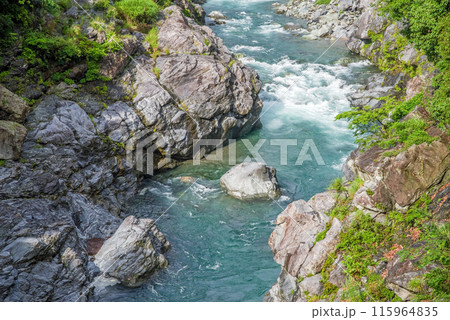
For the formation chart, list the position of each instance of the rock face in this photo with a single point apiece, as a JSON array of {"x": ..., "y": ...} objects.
[
  {"x": 251, "y": 180},
  {"x": 330, "y": 21},
  {"x": 294, "y": 245},
  {"x": 134, "y": 251},
  {"x": 67, "y": 195},
  {"x": 12, "y": 135},
  {"x": 399, "y": 181},
  {"x": 42, "y": 257},
  {"x": 201, "y": 91}
]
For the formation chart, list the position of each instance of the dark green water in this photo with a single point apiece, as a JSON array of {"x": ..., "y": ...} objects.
[{"x": 219, "y": 244}]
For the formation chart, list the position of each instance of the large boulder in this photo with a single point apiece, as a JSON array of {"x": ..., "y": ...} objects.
[
  {"x": 294, "y": 235},
  {"x": 251, "y": 180},
  {"x": 295, "y": 248},
  {"x": 134, "y": 252},
  {"x": 12, "y": 107},
  {"x": 398, "y": 181},
  {"x": 12, "y": 136},
  {"x": 41, "y": 253},
  {"x": 196, "y": 89}
]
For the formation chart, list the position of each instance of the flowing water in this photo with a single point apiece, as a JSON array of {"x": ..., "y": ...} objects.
[{"x": 219, "y": 244}]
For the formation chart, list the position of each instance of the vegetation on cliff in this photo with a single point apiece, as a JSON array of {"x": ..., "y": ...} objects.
[{"x": 427, "y": 28}]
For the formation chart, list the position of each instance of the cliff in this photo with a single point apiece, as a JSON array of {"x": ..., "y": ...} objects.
[
  {"x": 378, "y": 234},
  {"x": 80, "y": 80}
]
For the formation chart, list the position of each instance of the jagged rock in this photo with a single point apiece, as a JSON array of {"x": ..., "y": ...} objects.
[
  {"x": 369, "y": 20},
  {"x": 405, "y": 176},
  {"x": 400, "y": 272},
  {"x": 344, "y": 5},
  {"x": 12, "y": 107},
  {"x": 415, "y": 170},
  {"x": 251, "y": 180},
  {"x": 285, "y": 289},
  {"x": 41, "y": 255},
  {"x": 321, "y": 250},
  {"x": 374, "y": 197},
  {"x": 179, "y": 35},
  {"x": 281, "y": 9},
  {"x": 114, "y": 63},
  {"x": 312, "y": 285},
  {"x": 134, "y": 252},
  {"x": 416, "y": 85},
  {"x": 195, "y": 10},
  {"x": 323, "y": 202},
  {"x": 338, "y": 276},
  {"x": 12, "y": 136},
  {"x": 294, "y": 235}
]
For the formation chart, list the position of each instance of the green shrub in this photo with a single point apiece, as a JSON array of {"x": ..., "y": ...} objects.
[
  {"x": 42, "y": 48},
  {"x": 337, "y": 184},
  {"x": 325, "y": 2},
  {"x": 360, "y": 243},
  {"x": 102, "y": 4},
  {"x": 152, "y": 39},
  {"x": 428, "y": 27},
  {"x": 137, "y": 11}
]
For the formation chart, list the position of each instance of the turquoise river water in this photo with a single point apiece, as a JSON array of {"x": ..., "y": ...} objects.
[{"x": 219, "y": 244}]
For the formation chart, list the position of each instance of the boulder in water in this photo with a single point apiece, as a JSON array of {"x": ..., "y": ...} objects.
[
  {"x": 134, "y": 252},
  {"x": 251, "y": 180}
]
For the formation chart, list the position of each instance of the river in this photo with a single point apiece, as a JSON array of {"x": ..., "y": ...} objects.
[{"x": 219, "y": 244}]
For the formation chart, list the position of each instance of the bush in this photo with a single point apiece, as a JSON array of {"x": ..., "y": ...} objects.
[
  {"x": 152, "y": 39},
  {"x": 429, "y": 29},
  {"x": 137, "y": 11},
  {"x": 41, "y": 49}
]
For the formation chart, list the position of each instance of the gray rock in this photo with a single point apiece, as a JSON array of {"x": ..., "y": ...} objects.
[
  {"x": 285, "y": 289},
  {"x": 344, "y": 5},
  {"x": 216, "y": 15},
  {"x": 323, "y": 202},
  {"x": 12, "y": 136},
  {"x": 72, "y": 12},
  {"x": 114, "y": 63},
  {"x": 134, "y": 252},
  {"x": 312, "y": 285},
  {"x": 251, "y": 180},
  {"x": 281, "y": 9},
  {"x": 321, "y": 250},
  {"x": 338, "y": 276},
  {"x": 295, "y": 234}
]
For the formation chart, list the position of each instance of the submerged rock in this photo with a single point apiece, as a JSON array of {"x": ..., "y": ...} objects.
[
  {"x": 134, "y": 252},
  {"x": 251, "y": 180}
]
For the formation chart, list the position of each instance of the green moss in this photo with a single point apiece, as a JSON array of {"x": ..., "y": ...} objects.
[{"x": 320, "y": 2}]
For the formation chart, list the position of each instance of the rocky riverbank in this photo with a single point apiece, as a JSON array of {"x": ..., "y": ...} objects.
[
  {"x": 364, "y": 240},
  {"x": 64, "y": 175}
]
